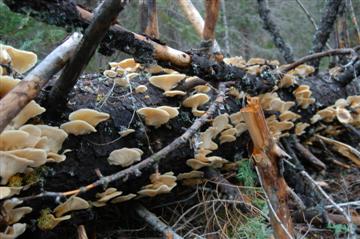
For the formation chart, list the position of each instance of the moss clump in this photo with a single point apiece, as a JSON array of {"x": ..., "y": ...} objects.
[
  {"x": 46, "y": 220},
  {"x": 15, "y": 181}
]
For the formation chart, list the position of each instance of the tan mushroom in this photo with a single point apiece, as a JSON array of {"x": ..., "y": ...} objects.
[
  {"x": 289, "y": 116},
  {"x": 354, "y": 101},
  {"x": 300, "y": 128},
  {"x": 237, "y": 61},
  {"x": 6, "y": 192},
  {"x": 122, "y": 81},
  {"x": 328, "y": 115},
  {"x": 125, "y": 156},
  {"x": 236, "y": 118},
  {"x": 240, "y": 128},
  {"x": 153, "y": 116},
  {"x": 172, "y": 111},
  {"x": 195, "y": 101},
  {"x": 55, "y": 137},
  {"x": 37, "y": 156},
  {"x": 128, "y": 64},
  {"x": 72, "y": 204},
  {"x": 159, "y": 184},
  {"x": 173, "y": 93},
  {"x": 123, "y": 198},
  {"x": 220, "y": 123},
  {"x": 29, "y": 111},
  {"x": 55, "y": 158},
  {"x": 91, "y": 116},
  {"x": 31, "y": 129},
  {"x": 206, "y": 139},
  {"x": 202, "y": 88},
  {"x": 141, "y": 89},
  {"x": 126, "y": 132},
  {"x": 196, "y": 164},
  {"x": 304, "y": 70},
  {"x": 78, "y": 127},
  {"x": 227, "y": 138},
  {"x": 191, "y": 174},
  {"x": 256, "y": 61},
  {"x": 11, "y": 164},
  {"x": 110, "y": 73},
  {"x": 16, "y": 139},
  {"x": 109, "y": 194},
  {"x": 12, "y": 232},
  {"x": 343, "y": 115},
  {"x": 7, "y": 83},
  {"x": 21, "y": 61},
  {"x": 287, "y": 80},
  {"x": 10, "y": 214},
  {"x": 166, "y": 82}
]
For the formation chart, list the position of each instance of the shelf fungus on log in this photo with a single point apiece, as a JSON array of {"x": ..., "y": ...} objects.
[
  {"x": 160, "y": 184},
  {"x": 125, "y": 156}
]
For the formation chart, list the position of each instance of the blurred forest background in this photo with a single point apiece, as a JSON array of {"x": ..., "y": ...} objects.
[{"x": 247, "y": 37}]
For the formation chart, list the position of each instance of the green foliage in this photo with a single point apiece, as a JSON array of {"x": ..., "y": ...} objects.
[
  {"x": 253, "y": 228},
  {"x": 338, "y": 229},
  {"x": 246, "y": 174}
]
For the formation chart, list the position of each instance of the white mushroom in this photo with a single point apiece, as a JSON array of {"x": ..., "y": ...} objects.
[{"x": 125, "y": 156}]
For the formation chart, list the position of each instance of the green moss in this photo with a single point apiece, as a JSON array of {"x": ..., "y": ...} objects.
[
  {"x": 46, "y": 220},
  {"x": 15, "y": 181}
]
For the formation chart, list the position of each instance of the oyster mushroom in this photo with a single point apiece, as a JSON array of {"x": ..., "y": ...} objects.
[
  {"x": 153, "y": 116},
  {"x": 195, "y": 101},
  {"x": 159, "y": 184},
  {"x": 78, "y": 127},
  {"x": 72, "y": 204},
  {"x": 11, "y": 214},
  {"x": 172, "y": 111},
  {"x": 55, "y": 137},
  {"x": 91, "y": 116},
  {"x": 11, "y": 164},
  {"x": 125, "y": 156},
  {"x": 21, "y": 61},
  {"x": 12, "y": 232},
  {"x": 6, "y": 84},
  {"x": 166, "y": 82},
  {"x": 141, "y": 89},
  {"x": 123, "y": 198},
  {"x": 6, "y": 192}
]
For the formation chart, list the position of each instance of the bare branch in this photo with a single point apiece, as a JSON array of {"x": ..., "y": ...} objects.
[
  {"x": 13, "y": 102},
  {"x": 272, "y": 28},
  {"x": 94, "y": 34},
  {"x": 226, "y": 29}
]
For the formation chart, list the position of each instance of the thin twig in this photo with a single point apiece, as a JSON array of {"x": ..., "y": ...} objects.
[{"x": 354, "y": 20}]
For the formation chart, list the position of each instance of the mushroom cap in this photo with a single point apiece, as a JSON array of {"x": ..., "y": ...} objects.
[
  {"x": 172, "y": 111},
  {"x": 237, "y": 61},
  {"x": 31, "y": 110},
  {"x": 31, "y": 129},
  {"x": 11, "y": 164},
  {"x": 354, "y": 101},
  {"x": 12, "y": 232},
  {"x": 110, "y": 73},
  {"x": 343, "y": 115},
  {"x": 341, "y": 103},
  {"x": 153, "y": 116},
  {"x": 230, "y": 131},
  {"x": 37, "y": 156},
  {"x": 122, "y": 81},
  {"x": 236, "y": 118},
  {"x": 304, "y": 70},
  {"x": 287, "y": 80},
  {"x": 305, "y": 102},
  {"x": 91, "y": 116},
  {"x": 206, "y": 139},
  {"x": 300, "y": 128},
  {"x": 11, "y": 214},
  {"x": 256, "y": 61},
  {"x": 123, "y": 198},
  {"x": 202, "y": 88},
  {"x": 125, "y": 156},
  {"x": 240, "y": 128},
  {"x": 173, "y": 93},
  {"x": 195, "y": 101},
  {"x": 6, "y": 192},
  {"x": 196, "y": 164},
  {"x": 7, "y": 83},
  {"x": 55, "y": 158},
  {"x": 166, "y": 82},
  {"x": 141, "y": 89},
  {"x": 55, "y": 137},
  {"x": 156, "y": 191},
  {"x": 167, "y": 178},
  {"x": 78, "y": 127},
  {"x": 72, "y": 204},
  {"x": 227, "y": 138},
  {"x": 220, "y": 123},
  {"x": 126, "y": 132},
  {"x": 289, "y": 116},
  {"x": 16, "y": 139},
  {"x": 21, "y": 60},
  {"x": 128, "y": 64}
]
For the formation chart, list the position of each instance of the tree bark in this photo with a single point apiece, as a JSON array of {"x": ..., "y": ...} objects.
[{"x": 274, "y": 31}]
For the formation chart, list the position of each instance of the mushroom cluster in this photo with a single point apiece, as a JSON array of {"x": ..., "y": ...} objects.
[
  {"x": 122, "y": 72},
  {"x": 18, "y": 60},
  {"x": 125, "y": 156},
  {"x": 84, "y": 121},
  {"x": 303, "y": 96},
  {"x": 346, "y": 111},
  {"x": 167, "y": 82},
  {"x": 159, "y": 115},
  {"x": 272, "y": 102},
  {"x": 111, "y": 195},
  {"x": 195, "y": 101},
  {"x": 160, "y": 184}
]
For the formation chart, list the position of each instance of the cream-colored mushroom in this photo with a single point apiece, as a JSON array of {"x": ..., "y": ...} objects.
[
  {"x": 126, "y": 132},
  {"x": 55, "y": 158},
  {"x": 328, "y": 115},
  {"x": 343, "y": 115},
  {"x": 304, "y": 70},
  {"x": 29, "y": 111},
  {"x": 21, "y": 61},
  {"x": 227, "y": 139},
  {"x": 141, "y": 89},
  {"x": 195, "y": 101},
  {"x": 354, "y": 101},
  {"x": 7, "y": 83},
  {"x": 123, "y": 198},
  {"x": 16, "y": 139},
  {"x": 202, "y": 88},
  {"x": 91, "y": 116},
  {"x": 256, "y": 61},
  {"x": 236, "y": 118},
  {"x": 287, "y": 80},
  {"x": 72, "y": 204},
  {"x": 196, "y": 164},
  {"x": 78, "y": 127},
  {"x": 10, "y": 214},
  {"x": 206, "y": 139},
  {"x": 110, "y": 73},
  {"x": 220, "y": 123},
  {"x": 128, "y": 64},
  {"x": 153, "y": 116},
  {"x": 172, "y": 111},
  {"x": 236, "y": 93},
  {"x": 6, "y": 192},
  {"x": 237, "y": 61},
  {"x": 300, "y": 128},
  {"x": 37, "y": 156},
  {"x": 55, "y": 137},
  {"x": 31, "y": 129},
  {"x": 240, "y": 128},
  {"x": 289, "y": 116},
  {"x": 125, "y": 156},
  {"x": 11, "y": 164},
  {"x": 122, "y": 81},
  {"x": 12, "y": 232},
  {"x": 173, "y": 93},
  {"x": 159, "y": 184},
  {"x": 166, "y": 82}
]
